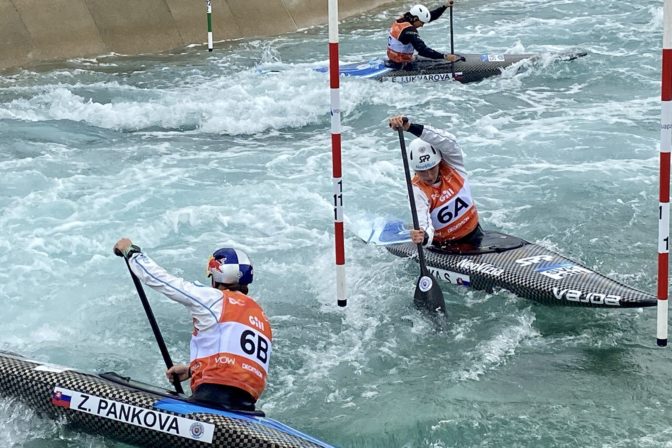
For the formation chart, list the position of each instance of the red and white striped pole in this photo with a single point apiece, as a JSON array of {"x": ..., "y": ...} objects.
[
  {"x": 664, "y": 189},
  {"x": 334, "y": 78}
]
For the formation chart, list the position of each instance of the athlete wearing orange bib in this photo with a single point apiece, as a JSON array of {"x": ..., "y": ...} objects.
[
  {"x": 231, "y": 342},
  {"x": 446, "y": 209},
  {"x": 403, "y": 39}
]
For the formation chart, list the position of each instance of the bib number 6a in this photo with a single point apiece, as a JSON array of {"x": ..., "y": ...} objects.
[
  {"x": 254, "y": 345},
  {"x": 451, "y": 210}
]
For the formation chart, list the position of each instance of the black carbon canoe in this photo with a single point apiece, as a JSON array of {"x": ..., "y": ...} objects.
[
  {"x": 507, "y": 262},
  {"x": 137, "y": 413},
  {"x": 476, "y": 67},
  {"x": 527, "y": 270}
]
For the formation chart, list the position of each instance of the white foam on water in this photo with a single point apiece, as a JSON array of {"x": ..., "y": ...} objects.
[
  {"x": 490, "y": 354},
  {"x": 185, "y": 153}
]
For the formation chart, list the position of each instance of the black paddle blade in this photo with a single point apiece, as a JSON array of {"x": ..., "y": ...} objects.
[{"x": 428, "y": 294}]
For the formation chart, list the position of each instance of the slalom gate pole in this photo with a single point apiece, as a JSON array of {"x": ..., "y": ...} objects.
[
  {"x": 334, "y": 79},
  {"x": 664, "y": 188},
  {"x": 209, "y": 9}
]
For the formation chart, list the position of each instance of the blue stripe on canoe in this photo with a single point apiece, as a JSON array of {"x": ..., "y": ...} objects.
[
  {"x": 370, "y": 69},
  {"x": 180, "y": 407}
]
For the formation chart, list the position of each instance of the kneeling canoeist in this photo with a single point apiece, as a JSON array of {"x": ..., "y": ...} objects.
[
  {"x": 403, "y": 39},
  {"x": 231, "y": 339},
  {"x": 446, "y": 210}
]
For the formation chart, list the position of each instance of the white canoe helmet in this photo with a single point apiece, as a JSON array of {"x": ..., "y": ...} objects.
[
  {"x": 422, "y": 156},
  {"x": 421, "y": 12}
]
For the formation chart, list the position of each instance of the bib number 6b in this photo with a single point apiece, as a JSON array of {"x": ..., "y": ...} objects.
[{"x": 254, "y": 345}]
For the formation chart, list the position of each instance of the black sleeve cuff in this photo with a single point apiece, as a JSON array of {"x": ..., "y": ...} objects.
[
  {"x": 132, "y": 249},
  {"x": 416, "y": 129}
]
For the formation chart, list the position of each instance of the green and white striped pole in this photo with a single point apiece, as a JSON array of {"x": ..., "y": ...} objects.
[{"x": 209, "y": 3}]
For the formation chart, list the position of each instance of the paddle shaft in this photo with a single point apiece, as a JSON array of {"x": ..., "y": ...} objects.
[
  {"x": 428, "y": 293},
  {"x": 452, "y": 46},
  {"x": 411, "y": 198},
  {"x": 155, "y": 327}
]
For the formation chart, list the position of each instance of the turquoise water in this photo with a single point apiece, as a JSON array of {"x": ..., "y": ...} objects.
[{"x": 188, "y": 151}]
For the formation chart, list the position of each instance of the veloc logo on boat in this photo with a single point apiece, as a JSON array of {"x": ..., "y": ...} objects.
[
  {"x": 576, "y": 295},
  {"x": 560, "y": 271}
]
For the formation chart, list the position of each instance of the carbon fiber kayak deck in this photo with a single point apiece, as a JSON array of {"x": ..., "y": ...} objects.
[
  {"x": 137, "y": 413},
  {"x": 476, "y": 67},
  {"x": 527, "y": 270}
]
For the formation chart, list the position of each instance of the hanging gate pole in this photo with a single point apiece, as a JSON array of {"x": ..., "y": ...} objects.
[
  {"x": 334, "y": 79},
  {"x": 664, "y": 189}
]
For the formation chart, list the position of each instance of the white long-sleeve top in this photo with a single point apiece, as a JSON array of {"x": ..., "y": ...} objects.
[
  {"x": 204, "y": 302},
  {"x": 232, "y": 340}
]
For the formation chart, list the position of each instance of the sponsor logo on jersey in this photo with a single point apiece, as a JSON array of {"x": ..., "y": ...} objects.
[
  {"x": 137, "y": 416},
  {"x": 223, "y": 359},
  {"x": 254, "y": 321},
  {"x": 252, "y": 369}
]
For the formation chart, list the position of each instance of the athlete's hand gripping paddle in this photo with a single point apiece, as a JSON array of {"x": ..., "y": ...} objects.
[
  {"x": 428, "y": 294},
  {"x": 152, "y": 322}
]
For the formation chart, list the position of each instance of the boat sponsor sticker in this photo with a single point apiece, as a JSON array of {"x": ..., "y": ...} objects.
[
  {"x": 492, "y": 58},
  {"x": 482, "y": 268},
  {"x": 536, "y": 259},
  {"x": 575, "y": 295},
  {"x": 451, "y": 277},
  {"x": 436, "y": 77},
  {"x": 133, "y": 415},
  {"x": 562, "y": 270}
]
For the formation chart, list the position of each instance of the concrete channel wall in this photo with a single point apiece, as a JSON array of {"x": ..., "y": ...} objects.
[{"x": 33, "y": 31}]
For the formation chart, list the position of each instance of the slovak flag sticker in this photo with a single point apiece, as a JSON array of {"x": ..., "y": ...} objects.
[{"x": 60, "y": 399}]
